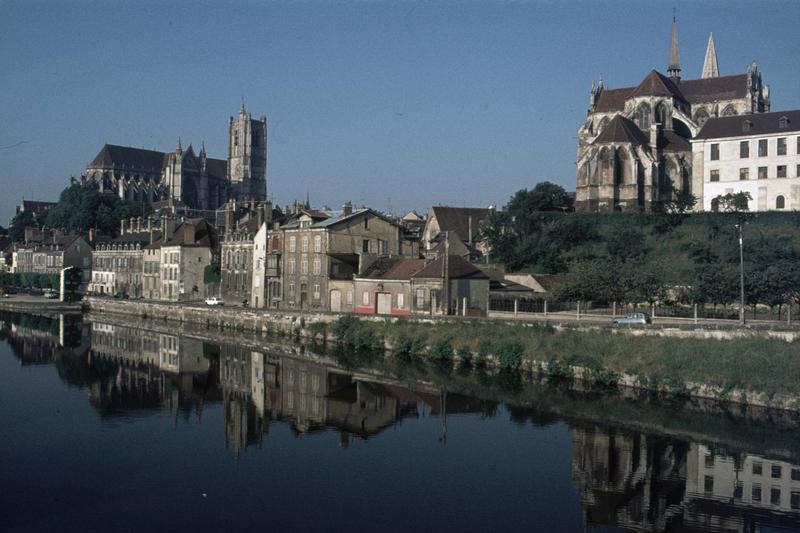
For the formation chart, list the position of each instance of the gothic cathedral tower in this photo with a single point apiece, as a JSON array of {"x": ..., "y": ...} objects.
[{"x": 247, "y": 157}]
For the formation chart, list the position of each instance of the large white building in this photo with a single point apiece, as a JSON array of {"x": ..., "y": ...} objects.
[{"x": 755, "y": 153}]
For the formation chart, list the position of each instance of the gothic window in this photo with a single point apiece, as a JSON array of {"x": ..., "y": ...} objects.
[
  {"x": 603, "y": 124},
  {"x": 701, "y": 116},
  {"x": 780, "y": 202},
  {"x": 729, "y": 111},
  {"x": 643, "y": 116},
  {"x": 606, "y": 165},
  {"x": 624, "y": 172},
  {"x": 661, "y": 114}
]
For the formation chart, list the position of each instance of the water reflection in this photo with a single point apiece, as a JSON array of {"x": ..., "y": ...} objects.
[{"x": 627, "y": 477}]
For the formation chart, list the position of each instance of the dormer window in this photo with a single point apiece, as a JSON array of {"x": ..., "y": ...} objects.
[
  {"x": 783, "y": 122},
  {"x": 747, "y": 125}
]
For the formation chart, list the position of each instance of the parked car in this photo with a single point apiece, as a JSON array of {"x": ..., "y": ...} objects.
[
  {"x": 50, "y": 294},
  {"x": 632, "y": 318},
  {"x": 214, "y": 300},
  {"x": 121, "y": 295}
]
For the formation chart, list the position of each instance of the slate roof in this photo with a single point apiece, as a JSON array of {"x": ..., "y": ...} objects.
[
  {"x": 761, "y": 124},
  {"x": 112, "y": 155},
  {"x": 656, "y": 84},
  {"x": 204, "y": 235},
  {"x": 457, "y": 268},
  {"x": 397, "y": 268},
  {"x": 142, "y": 237},
  {"x": 621, "y": 130},
  {"x": 456, "y": 219},
  {"x": 669, "y": 141},
  {"x": 693, "y": 91}
]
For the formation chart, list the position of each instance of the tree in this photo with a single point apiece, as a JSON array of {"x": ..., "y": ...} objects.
[
  {"x": 81, "y": 206},
  {"x": 545, "y": 196},
  {"x": 733, "y": 202},
  {"x": 20, "y": 221}
]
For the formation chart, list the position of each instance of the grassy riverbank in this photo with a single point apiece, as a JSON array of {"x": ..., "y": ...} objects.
[{"x": 768, "y": 366}]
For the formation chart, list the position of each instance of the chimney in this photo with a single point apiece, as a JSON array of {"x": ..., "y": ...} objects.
[
  {"x": 91, "y": 235},
  {"x": 266, "y": 208},
  {"x": 169, "y": 228},
  {"x": 469, "y": 222},
  {"x": 122, "y": 224},
  {"x": 347, "y": 208},
  {"x": 138, "y": 224},
  {"x": 188, "y": 233}
]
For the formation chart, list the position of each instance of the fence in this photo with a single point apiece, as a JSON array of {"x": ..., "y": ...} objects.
[{"x": 781, "y": 313}]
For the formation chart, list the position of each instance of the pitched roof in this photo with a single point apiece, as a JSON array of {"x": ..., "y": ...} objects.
[
  {"x": 656, "y": 84},
  {"x": 393, "y": 268},
  {"x": 193, "y": 232},
  {"x": 112, "y": 155},
  {"x": 142, "y": 237},
  {"x": 36, "y": 206},
  {"x": 612, "y": 99},
  {"x": 457, "y": 220},
  {"x": 621, "y": 130},
  {"x": 669, "y": 141},
  {"x": 457, "y": 268},
  {"x": 760, "y": 124},
  {"x": 714, "y": 89}
]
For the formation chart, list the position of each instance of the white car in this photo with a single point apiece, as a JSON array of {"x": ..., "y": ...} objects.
[
  {"x": 214, "y": 300},
  {"x": 50, "y": 295}
]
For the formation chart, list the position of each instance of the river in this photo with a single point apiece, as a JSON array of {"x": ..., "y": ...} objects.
[{"x": 112, "y": 426}]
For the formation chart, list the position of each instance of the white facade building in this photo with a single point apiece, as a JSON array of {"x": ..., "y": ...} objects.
[{"x": 758, "y": 154}]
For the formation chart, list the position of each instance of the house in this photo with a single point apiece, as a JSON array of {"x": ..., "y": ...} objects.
[
  {"x": 384, "y": 287},
  {"x": 757, "y": 154},
  {"x": 185, "y": 254},
  {"x": 321, "y": 247},
  {"x": 266, "y": 290},
  {"x": 450, "y": 285},
  {"x": 56, "y": 251},
  {"x": 456, "y": 229}
]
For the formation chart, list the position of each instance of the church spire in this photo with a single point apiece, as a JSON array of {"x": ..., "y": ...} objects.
[
  {"x": 674, "y": 66},
  {"x": 178, "y": 146},
  {"x": 710, "y": 67}
]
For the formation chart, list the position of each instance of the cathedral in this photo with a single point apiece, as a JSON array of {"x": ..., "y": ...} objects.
[
  {"x": 634, "y": 149},
  {"x": 185, "y": 178}
]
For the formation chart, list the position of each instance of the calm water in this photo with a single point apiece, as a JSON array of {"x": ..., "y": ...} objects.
[{"x": 115, "y": 427}]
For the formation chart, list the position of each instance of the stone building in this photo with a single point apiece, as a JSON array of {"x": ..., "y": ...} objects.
[
  {"x": 384, "y": 287},
  {"x": 324, "y": 246},
  {"x": 185, "y": 254},
  {"x": 56, "y": 251},
  {"x": 461, "y": 225},
  {"x": 757, "y": 154},
  {"x": 183, "y": 177},
  {"x": 236, "y": 261},
  {"x": 634, "y": 148},
  {"x": 267, "y": 249},
  {"x": 450, "y": 285}
]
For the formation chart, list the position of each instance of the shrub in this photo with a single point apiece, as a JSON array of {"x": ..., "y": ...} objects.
[
  {"x": 441, "y": 349},
  {"x": 406, "y": 346},
  {"x": 509, "y": 354},
  {"x": 344, "y": 328}
]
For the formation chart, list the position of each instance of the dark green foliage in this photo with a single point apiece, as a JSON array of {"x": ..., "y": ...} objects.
[
  {"x": 16, "y": 232},
  {"x": 24, "y": 280},
  {"x": 81, "y": 207},
  {"x": 407, "y": 345},
  {"x": 352, "y": 332},
  {"x": 441, "y": 349},
  {"x": 509, "y": 354},
  {"x": 211, "y": 273}
]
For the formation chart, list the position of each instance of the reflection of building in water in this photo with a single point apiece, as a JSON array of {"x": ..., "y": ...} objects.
[
  {"x": 147, "y": 370},
  {"x": 745, "y": 481},
  {"x": 257, "y": 388},
  {"x": 648, "y": 483},
  {"x": 37, "y": 340}
]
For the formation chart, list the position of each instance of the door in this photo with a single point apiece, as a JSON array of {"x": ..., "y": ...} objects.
[
  {"x": 336, "y": 301},
  {"x": 384, "y": 303}
]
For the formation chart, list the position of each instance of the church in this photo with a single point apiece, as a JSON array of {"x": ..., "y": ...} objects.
[
  {"x": 634, "y": 149},
  {"x": 183, "y": 177}
]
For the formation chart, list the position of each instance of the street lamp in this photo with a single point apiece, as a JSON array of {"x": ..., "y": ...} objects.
[{"x": 741, "y": 274}]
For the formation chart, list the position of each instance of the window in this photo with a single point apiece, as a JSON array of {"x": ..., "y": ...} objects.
[
  {"x": 420, "y": 298},
  {"x": 366, "y": 223},
  {"x": 349, "y": 298},
  {"x": 762, "y": 173},
  {"x": 762, "y": 148},
  {"x": 744, "y": 174},
  {"x": 365, "y": 298},
  {"x": 291, "y": 266},
  {"x": 365, "y": 246},
  {"x": 797, "y": 171},
  {"x": 708, "y": 484},
  {"x": 291, "y": 292},
  {"x": 776, "y": 471},
  {"x": 795, "y": 500},
  {"x": 782, "y": 146},
  {"x": 795, "y": 474},
  {"x": 316, "y": 291},
  {"x": 317, "y": 267},
  {"x": 738, "y": 489},
  {"x": 783, "y": 122},
  {"x": 400, "y": 300},
  {"x": 304, "y": 266},
  {"x": 781, "y": 171},
  {"x": 304, "y": 246},
  {"x": 798, "y": 144},
  {"x": 780, "y": 202},
  {"x": 318, "y": 243},
  {"x": 292, "y": 244},
  {"x": 757, "y": 468},
  {"x": 756, "y": 492},
  {"x": 709, "y": 461},
  {"x": 744, "y": 149},
  {"x": 715, "y": 152},
  {"x": 775, "y": 496},
  {"x": 714, "y": 175},
  {"x": 746, "y": 125}
]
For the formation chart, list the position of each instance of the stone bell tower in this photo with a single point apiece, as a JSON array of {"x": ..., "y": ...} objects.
[{"x": 247, "y": 157}]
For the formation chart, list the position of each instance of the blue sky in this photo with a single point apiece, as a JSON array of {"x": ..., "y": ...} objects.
[{"x": 394, "y": 104}]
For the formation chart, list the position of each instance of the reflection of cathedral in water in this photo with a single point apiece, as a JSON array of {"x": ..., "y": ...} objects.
[{"x": 648, "y": 483}]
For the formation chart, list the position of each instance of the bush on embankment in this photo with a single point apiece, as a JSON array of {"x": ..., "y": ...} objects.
[{"x": 756, "y": 363}]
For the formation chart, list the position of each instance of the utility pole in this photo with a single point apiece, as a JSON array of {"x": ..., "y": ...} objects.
[{"x": 741, "y": 274}]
